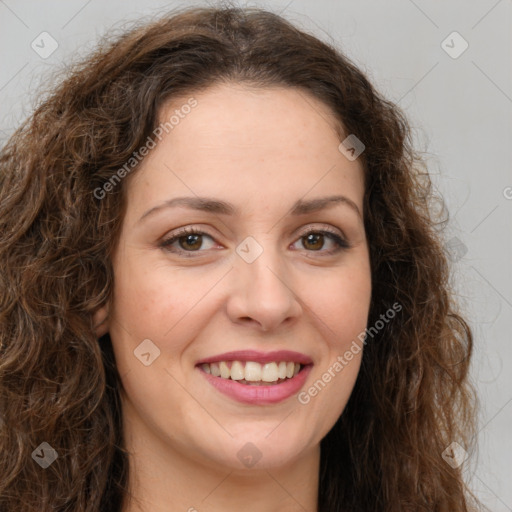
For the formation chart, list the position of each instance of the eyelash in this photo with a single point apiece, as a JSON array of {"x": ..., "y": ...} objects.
[{"x": 341, "y": 243}]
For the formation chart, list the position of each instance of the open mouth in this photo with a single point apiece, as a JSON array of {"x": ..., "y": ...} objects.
[{"x": 253, "y": 373}]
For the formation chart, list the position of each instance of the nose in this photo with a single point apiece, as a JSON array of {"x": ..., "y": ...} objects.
[{"x": 263, "y": 294}]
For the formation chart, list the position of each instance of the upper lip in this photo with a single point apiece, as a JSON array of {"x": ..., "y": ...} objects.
[{"x": 259, "y": 357}]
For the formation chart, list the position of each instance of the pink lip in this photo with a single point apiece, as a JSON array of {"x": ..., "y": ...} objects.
[
  {"x": 258, "y": 395},
  {"x": 259, "y": 357}
]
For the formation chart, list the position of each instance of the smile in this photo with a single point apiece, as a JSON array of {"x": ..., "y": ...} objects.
[
  {"x": 253, "y": 373},
  {"x": 256, "y": 378}
]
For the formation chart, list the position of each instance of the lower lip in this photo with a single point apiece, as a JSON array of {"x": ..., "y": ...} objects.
[{"x": 259, "y": 395}]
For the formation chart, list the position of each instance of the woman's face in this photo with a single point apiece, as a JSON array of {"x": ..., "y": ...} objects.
[{"x": 270, "y": 272}]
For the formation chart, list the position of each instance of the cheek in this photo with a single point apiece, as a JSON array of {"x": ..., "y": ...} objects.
[
  {"x": 153, "y": 301},
  {"x": 150, "y": 298},
  {"x": 341, "y": 304},
  {"x": 151, "y": 314},
  {"x": 342, "y": 301}
]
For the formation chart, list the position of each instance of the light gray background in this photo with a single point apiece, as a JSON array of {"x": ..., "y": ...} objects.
[{"x": 460, "y": 108}]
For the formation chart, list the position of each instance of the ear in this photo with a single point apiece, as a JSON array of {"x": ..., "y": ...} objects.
[{"x": 101, "y": 321}]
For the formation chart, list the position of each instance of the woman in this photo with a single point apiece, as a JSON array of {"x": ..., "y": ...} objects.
[{"x": 223, "y": 287}]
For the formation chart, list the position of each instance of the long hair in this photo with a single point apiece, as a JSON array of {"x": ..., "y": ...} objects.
[{"x": 59, "y": 384}]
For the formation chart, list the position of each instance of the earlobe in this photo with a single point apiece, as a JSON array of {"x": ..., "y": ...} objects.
[{"x": 100, "y": 321}]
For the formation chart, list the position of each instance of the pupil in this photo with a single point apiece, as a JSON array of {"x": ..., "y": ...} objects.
[
  {"x": 314, "y": 239},
  {"x": 189, "y": 240}
]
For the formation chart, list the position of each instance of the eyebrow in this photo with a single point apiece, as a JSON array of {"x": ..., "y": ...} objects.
[{"x": 210, "y": 205}]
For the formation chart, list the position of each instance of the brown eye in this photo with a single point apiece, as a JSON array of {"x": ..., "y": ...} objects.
[
  {"x": 190, "y": 242},
  {"x": 313, "y": 241},
  {"x": 323, "y": 242}
]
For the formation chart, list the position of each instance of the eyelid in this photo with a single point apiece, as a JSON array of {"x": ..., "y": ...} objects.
[{"x": 322, "y": 228}]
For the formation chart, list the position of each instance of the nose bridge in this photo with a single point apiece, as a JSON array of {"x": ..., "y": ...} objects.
[
  {"x": 259, "y": 262},
  {"x": 263, "y": 291}
]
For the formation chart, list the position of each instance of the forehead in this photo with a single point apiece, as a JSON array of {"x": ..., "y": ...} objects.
[
  {"x": 241, "y": 140},
  {"x": 230, "y": 116}
]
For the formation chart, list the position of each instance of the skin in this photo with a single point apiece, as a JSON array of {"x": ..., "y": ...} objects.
[{"x": 261, "y": 150}]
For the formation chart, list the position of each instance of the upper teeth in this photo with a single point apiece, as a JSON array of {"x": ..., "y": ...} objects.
[{"x": 252, "y": 371}]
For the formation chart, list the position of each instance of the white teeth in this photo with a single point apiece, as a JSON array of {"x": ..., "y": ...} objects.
[
  {"x": 225, "y": 373},
  {"x": 251, "y": 371},
  {"x": 269, "y": 373},
  {"x": 282, "y": 370},
  {"x": 237, "y": 371},
  {"x": 214, "y": 368}
]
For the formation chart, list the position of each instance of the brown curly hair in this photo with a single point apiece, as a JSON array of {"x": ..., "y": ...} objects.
[{"x": 59, "y": 383}]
